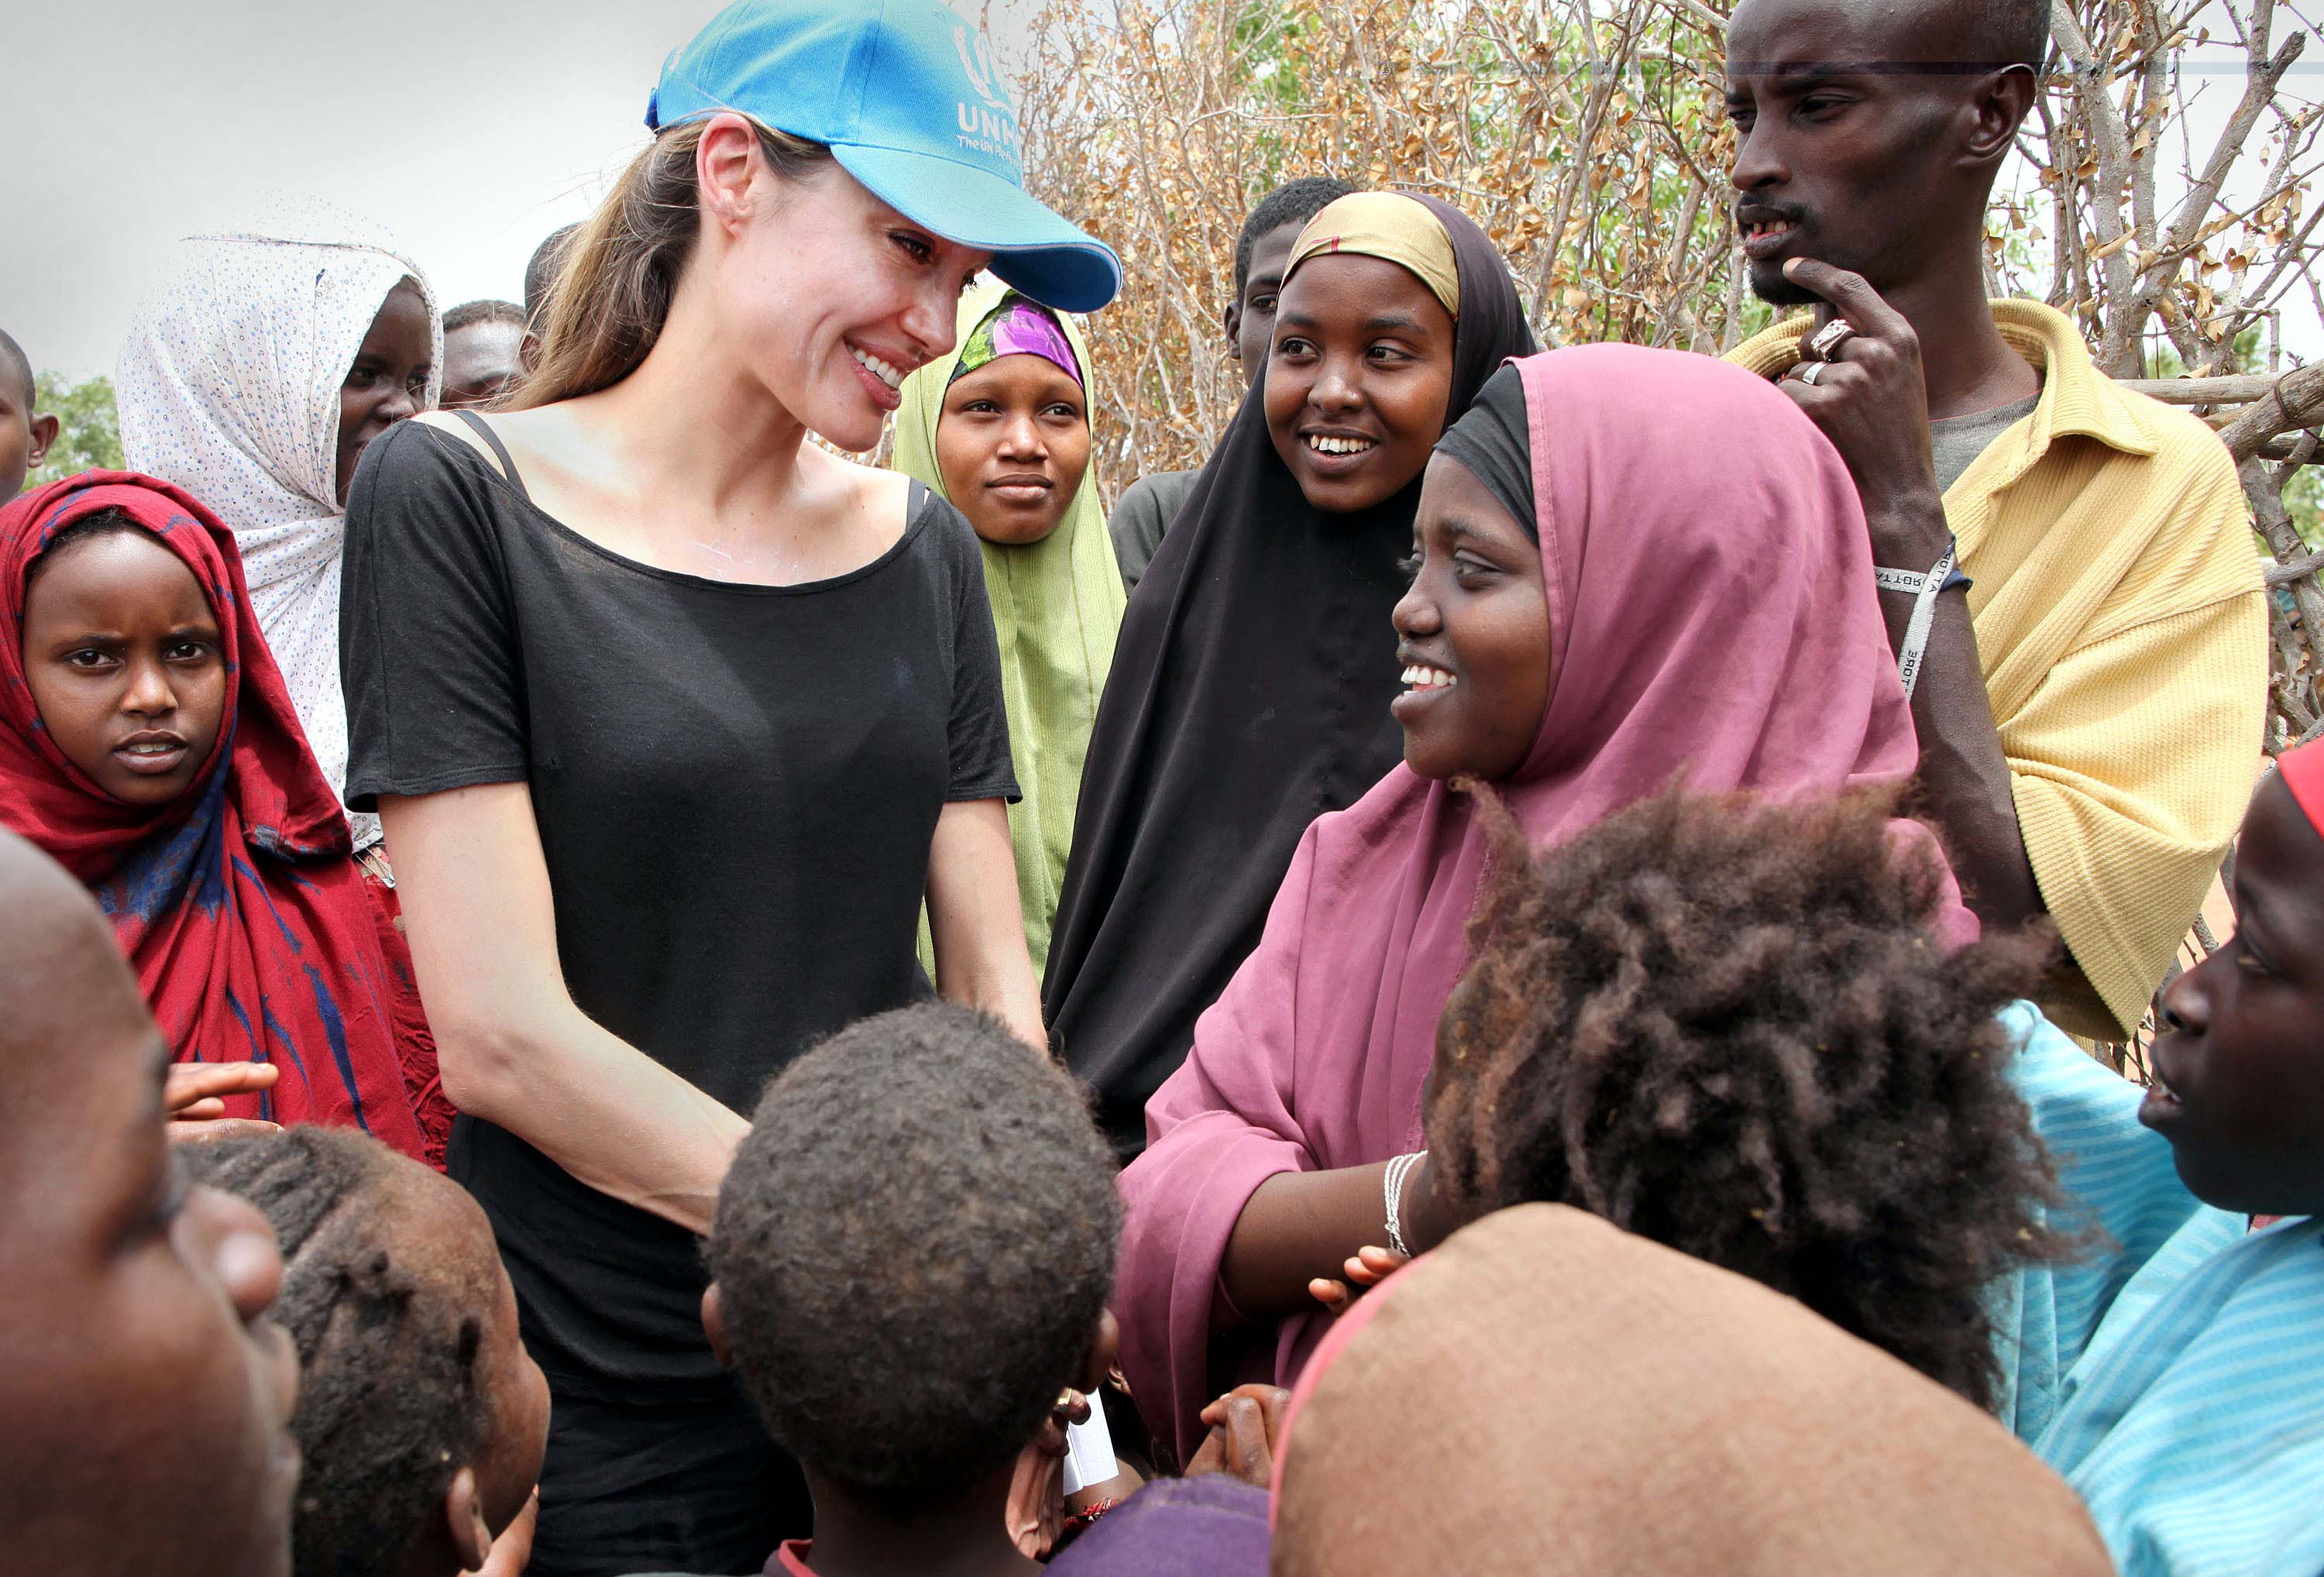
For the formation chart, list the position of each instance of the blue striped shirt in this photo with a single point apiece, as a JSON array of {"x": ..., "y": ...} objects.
[{"x": 2173, "y": 1374}]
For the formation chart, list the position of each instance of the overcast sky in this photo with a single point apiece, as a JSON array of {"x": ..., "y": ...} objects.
[{"x": 471, "y": 128}]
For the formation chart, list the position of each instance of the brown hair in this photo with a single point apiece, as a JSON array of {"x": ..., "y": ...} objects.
[
  {"x": 1723, "y": 1023},
  {"x": 621, "y": 269}
]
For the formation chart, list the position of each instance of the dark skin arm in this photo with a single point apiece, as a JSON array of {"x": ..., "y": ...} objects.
[
  {"x": 1300, "y": 1227},
  {"x": 1872, "y": 403}
]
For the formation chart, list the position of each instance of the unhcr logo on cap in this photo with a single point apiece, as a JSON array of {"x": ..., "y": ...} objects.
[
  {"x": 990, "y": 127},
  {"x": 870, "y": 79},
  {"x": 976, "y": 59}
]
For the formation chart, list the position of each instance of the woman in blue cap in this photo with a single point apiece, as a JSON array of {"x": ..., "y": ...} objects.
[{"x": 674, "y": 718}]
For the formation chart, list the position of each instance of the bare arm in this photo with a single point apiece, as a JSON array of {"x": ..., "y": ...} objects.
[
  {"x": 1872, "y": 403},
  {"x": 1300, "y": 1227},
  {"x": 1964, "y": 774},
  {"x": 513, "y": 1048},
  {"x": 975, "y": 921}
]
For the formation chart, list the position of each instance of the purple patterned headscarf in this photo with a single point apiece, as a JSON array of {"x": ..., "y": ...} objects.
[{"x": 1017, "y": 327}]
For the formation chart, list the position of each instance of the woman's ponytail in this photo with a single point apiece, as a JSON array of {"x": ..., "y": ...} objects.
[{"x": 620, "y": 270}]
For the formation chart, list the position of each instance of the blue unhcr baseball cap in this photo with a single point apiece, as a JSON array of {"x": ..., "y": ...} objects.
[{"x": 905, "y": 95}]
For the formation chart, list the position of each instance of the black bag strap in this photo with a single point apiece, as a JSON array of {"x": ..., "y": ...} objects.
[{"x": 508, "y": 466}]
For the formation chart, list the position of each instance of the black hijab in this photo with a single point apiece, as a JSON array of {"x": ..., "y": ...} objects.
[
  {"x": 1248, "y": 696},
  {"x": 1493, "y": 442}
]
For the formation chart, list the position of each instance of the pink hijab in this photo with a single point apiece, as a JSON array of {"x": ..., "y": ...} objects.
[{"x": 1713, "y": 616}]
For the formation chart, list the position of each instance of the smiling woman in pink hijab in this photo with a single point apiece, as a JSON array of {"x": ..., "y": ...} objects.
[{"x": 1594, "y": 613}]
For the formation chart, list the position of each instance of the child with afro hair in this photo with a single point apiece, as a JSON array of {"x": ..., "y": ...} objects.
[
  {"x": 910, "y": 1259},
  {"x": 1722, "y": 1023},
  {"x": 422, "y": 1419}
]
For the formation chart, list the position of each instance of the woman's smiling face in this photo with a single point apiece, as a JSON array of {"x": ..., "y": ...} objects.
[
  {"x": 1472, "y": 633},
  {"x": 825, "y": 296},
  {"x": 1012, "y": 443},
  {"x": 1358, "y": 379}
]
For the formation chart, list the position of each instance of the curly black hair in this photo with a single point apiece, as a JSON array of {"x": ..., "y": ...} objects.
[
  {"x": 913, "y": 1248},
  {"x": 1724, "y": 1024},
  {"x": 1292, "y": 202},
  {"x": 391, "y": 1398}
]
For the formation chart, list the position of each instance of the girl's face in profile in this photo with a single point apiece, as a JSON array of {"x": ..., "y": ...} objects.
[
  {"x": 1358, "y": 379},
  {"x": 1472, "y": 633},
  {"x": 124, "y": 658},
  {"x": 1013, "y": 442},
  {"x": 2238, "y": 1073}
]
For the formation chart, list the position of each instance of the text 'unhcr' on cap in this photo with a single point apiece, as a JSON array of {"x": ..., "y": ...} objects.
[{"x": 907, "y": 97}]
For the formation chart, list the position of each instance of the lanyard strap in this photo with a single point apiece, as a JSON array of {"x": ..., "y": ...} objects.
[{"x": 1924, "y": 590}]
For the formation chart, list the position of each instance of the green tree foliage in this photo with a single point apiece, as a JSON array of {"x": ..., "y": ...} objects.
[
  {"x": 2303, "y": 501},
  {"x": 89, "y": 433}
]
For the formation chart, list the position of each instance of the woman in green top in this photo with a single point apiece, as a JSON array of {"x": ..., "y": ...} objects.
[{"x": 1001, "y": 429}]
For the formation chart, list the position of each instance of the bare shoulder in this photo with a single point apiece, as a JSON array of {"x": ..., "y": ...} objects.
[
  {"x": 860, "y": 489},
  {"x": 451, "y": 426},
  {"x": 539, "y": 438}
]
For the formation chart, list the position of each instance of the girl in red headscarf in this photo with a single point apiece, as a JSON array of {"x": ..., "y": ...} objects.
[{"x": 147, "y": 743}]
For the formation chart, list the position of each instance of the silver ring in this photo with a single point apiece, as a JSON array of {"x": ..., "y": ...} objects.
[
  {"x": 1824, "y": 344},
  {"x": 1811, "y": 370}
]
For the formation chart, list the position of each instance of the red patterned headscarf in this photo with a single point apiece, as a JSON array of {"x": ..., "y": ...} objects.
[{"x": 239, "y": 904}]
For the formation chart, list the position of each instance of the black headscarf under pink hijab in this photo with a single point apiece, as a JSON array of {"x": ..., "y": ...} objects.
[{"x": 1248, "y": 696}]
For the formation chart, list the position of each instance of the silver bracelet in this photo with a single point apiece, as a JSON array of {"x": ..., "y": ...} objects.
[{"x": 1392, "y": 1187}]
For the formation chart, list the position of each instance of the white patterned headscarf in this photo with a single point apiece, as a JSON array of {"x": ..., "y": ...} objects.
[{"x": 229, "y": 386}]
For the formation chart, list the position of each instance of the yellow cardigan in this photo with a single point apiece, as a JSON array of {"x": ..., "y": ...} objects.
[{"x": 2122, "y": 626}]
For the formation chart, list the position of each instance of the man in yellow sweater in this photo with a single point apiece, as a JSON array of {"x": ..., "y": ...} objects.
[{"x": 2067, "y": 566}]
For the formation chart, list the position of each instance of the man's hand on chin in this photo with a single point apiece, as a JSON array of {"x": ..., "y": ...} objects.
[{"x": 1859, "y": 380}]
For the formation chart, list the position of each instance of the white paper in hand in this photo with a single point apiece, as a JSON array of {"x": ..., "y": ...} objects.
[{"x": 1089, "y": 1451}]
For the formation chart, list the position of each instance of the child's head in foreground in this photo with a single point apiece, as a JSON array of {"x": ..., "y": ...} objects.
[
  {"x": 2239, "y": 1065},
  {"x": 25, "y": 435},
  {"x": 145, "y": 1401},
  {"x": 1725, "y": 1024},
  {"x": 421, "y": 1417},
  {"x": 912, "y": 1254}
]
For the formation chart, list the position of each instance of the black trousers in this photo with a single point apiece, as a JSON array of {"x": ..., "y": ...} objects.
[{"x": 651, "y": 1484}]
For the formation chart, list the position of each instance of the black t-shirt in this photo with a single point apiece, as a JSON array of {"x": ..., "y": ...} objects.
[{"x": 735, "y": 786}]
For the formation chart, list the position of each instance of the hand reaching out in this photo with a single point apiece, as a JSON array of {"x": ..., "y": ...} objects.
[
  {"x": 1246, "y": 1425},
  {"x": 1365, "y": 1270},
  {"x": 193, "y": 1098}
]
